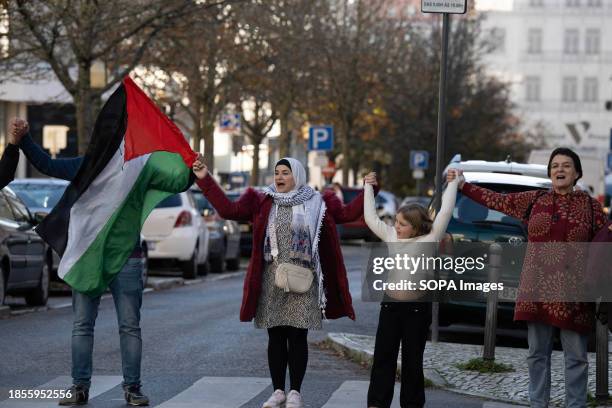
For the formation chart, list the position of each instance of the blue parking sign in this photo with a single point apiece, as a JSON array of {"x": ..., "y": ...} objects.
[
  {"x": 419, "y": 159},
  {"x": 321, "y": 138}
]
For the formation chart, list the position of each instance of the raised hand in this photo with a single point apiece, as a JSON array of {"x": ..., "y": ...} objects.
[
  {"x": 199, "y": 168},
  {"x": 370, "y": 178},
  {"x": 452, "y": 174},
  {"x": 18, "y": 129}
]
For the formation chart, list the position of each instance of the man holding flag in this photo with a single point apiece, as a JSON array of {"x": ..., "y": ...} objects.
[{"x": 136, "y": 158}]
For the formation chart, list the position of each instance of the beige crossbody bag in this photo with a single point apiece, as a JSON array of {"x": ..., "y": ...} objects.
[{"x": 293, "y": 278}]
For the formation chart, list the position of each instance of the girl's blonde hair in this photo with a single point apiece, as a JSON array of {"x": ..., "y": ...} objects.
[{"x": 418, "y": 217}]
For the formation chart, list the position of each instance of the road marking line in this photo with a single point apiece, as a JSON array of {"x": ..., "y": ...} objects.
[
  {"x": 353, "y": 394},
  {"x": 218, "y": 392}
]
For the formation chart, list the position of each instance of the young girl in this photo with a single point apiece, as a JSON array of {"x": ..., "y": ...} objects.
[{"x": 400, "y": 321}]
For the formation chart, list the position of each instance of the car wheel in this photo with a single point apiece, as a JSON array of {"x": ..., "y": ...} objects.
[
  {"x": 190, "y": 267},
  {"x": 217, "y": 265},
  {"x": 233, "y": 264},
  {"x": 2, "y": 287},
  {"x": 204, "y": 268},
  {"x": 39, "y": 296}
]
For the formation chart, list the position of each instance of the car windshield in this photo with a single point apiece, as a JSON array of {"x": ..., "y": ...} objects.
[
  {"x": 467, "y": 210},
  {"x": 172, "y": 201},
  {"x": 39, "y": 195}
]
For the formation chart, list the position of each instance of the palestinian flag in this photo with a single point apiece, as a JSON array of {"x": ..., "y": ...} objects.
[{"x": 136, "y": 158}]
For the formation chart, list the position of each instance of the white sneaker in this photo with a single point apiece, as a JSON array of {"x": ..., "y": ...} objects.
[
  {"x": 276, "y": 400},
  {"x": 294, "y": 400}
]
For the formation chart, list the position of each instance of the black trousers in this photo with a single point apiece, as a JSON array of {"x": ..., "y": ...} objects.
[
  {"x": 287, "y": 346},
  {"x": 405, "y": 323}
]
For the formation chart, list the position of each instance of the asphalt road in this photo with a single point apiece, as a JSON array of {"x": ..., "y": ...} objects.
[{"x": 194, "y": 345}]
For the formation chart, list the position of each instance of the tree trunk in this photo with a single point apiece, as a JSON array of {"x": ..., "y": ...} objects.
[
  {"x": 255, "y": 170},
  {"x": 209, "y": 142},
  {"x": 345, "y": 155},
  {"x": 85, "y": 108},
  {"x": 284, "y": 142}
]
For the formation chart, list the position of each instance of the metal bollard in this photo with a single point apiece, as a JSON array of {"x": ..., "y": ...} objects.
[
  {"x": 495, "y": 251},
  {"x": 601, "y": 362}
]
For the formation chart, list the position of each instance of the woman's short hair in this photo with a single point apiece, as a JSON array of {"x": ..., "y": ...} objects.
[
  {"x": 418, "y": 217},
  {"x": 564, "y": 151}
]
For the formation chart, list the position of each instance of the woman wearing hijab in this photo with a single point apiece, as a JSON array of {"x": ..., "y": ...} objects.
[{"x": 292, "y": 225}]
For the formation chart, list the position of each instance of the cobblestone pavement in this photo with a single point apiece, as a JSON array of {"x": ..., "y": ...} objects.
[{"x": 440, "y": 367}]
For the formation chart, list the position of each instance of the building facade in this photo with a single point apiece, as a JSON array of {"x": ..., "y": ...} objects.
[{"x": 557, "y": 56}]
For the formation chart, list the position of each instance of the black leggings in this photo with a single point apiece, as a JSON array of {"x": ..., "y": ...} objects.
[{"x": 287, "y": 345}]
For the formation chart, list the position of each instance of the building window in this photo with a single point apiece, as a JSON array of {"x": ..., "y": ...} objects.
[
  {"x": 594, "y": 3},
  {"x": 572, "y": 3},
  {"x": 591, "y": 90},
  {"x": 498, "y": 40},
  {"x": 571, "y": 39},
  {"x": 570, "y": 89},
  {"x": 532, "y": 89},
  {"x": 534, "y": 41},
  {"x": 592, "y": 42}
]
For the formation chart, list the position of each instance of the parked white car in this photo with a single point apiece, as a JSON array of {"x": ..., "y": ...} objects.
[{"x": 176, "y": 232}]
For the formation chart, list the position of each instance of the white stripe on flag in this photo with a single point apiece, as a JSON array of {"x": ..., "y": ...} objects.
[
  {"x": 218, "y": 392},
  {"x": 96, "y": 206},
  {"x": 353, "y": 394},
  {"x": 99, "y": 385}
]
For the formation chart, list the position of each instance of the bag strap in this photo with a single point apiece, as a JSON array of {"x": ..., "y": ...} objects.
[{"x": 539, "y": 194}]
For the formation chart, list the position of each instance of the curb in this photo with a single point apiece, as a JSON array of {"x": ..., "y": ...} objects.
[
  {"x": 164, "y": 283},
  {"x": 343, "y": 344}
]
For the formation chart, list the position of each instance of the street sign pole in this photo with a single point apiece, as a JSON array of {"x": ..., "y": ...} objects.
[{"x": 440, "y": 151}]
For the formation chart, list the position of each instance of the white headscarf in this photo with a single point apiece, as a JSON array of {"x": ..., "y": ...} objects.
[{"x": 308, "y": 210}]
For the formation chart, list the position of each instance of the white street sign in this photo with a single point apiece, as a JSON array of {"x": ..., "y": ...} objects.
[
  {"x": 444, "y": 6},
  {"x": 418, "y": 174}
]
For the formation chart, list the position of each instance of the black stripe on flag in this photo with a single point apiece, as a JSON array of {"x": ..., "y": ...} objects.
[{"x": 108, "y": 133}]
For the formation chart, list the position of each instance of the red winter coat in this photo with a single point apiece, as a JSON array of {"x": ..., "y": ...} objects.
[{"x": 255, "y": 206}]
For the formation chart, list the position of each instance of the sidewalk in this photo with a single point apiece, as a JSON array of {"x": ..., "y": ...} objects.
[{"x": 439, "y": 365}]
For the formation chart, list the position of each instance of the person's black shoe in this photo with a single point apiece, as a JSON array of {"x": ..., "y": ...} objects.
[
  {"x": 75, "y": 395},
  {"x": 134, "y": 397}
]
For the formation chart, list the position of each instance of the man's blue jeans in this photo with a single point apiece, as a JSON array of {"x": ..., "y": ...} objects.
[
  {"x": 126, "y": 289},
  {"x": 540, "y": 339}
]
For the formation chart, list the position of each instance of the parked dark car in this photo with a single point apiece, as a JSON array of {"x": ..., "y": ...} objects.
[
  {"x": 246, "y": 227},
  {"x": 224, "y": 238},
  {"x": 40, "y": 195},
  {"x": 474, "y": 223},
  {"x": 24, "y": 270}
]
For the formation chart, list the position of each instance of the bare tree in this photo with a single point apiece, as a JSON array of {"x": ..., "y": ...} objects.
[{"x": 69, "y": 36}]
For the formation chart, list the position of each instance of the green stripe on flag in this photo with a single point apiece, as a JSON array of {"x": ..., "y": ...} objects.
[{"x": 164, "y": 174}]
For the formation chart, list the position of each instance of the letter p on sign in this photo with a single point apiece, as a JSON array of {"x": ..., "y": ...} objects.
[{"x": 321, "y": 138}]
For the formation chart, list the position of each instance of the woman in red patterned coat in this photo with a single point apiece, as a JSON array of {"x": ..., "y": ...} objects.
[{"x": 563, "y": 214}]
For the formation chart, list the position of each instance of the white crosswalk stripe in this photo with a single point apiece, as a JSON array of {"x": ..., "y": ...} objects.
[
  {"x": 218, "y": 392},
  {"x": 215, "y": 392},
  {"x": 353, "y": 394},
  {"x": 99, "y": 385}
]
